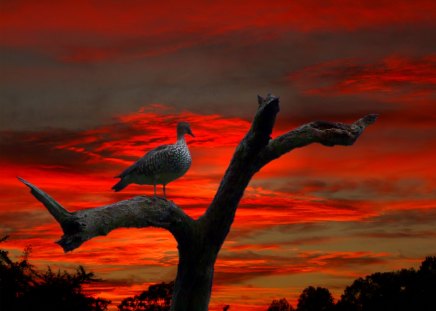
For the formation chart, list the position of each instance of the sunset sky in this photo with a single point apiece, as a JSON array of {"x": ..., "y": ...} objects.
[{"x": 87, "y": 87}]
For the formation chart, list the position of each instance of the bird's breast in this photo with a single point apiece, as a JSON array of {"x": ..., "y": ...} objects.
[{"x": 172, "y": 165}]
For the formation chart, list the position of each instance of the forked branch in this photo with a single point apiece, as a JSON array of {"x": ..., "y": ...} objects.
[
  {"x": 258, "y": 149},
  {"x": 199, "y": 241}
]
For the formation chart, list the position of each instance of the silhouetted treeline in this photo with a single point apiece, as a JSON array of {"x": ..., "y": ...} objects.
[
  {"x": 22, "y": 288},
  {"x": 403, "y": 290},
  {"x": 280, "y": 305},
  {"x": 156, "y": 298}
]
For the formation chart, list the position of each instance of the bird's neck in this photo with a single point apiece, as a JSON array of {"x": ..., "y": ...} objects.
[{"x": 181, "y": 139}]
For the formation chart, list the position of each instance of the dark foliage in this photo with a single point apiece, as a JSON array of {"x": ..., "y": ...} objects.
[
  {"x": 156, "y": 298},
  {"x": 315, "y": 299},
  {"x": 280, "y": 305},
  {"x": 400, "y": 290},
  {"x": 24, "y": 288}
]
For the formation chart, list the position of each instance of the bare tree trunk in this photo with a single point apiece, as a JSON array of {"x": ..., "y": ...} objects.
[
  {"x": 193, "y": 284},
  {"x": 199, "y": 241}
]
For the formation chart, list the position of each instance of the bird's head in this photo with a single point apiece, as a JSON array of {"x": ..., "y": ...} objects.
[{"x": 183, "y": 128}]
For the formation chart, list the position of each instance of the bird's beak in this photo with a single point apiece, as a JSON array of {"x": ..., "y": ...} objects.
[{"x": 190, "y": 133}]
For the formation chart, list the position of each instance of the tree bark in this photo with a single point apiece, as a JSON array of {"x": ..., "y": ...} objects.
[
  {"x": 195, "y": 271},
  {"x": 199, "y": 241}
]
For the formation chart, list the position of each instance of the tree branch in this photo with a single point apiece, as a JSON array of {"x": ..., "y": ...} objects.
[
  {"x": 138, "y": 212},
  {"x": 221, "y": 211},
  {"x": 326, "y": 133}
]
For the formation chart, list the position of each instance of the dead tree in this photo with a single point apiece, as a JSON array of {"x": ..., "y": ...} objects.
[{"x": 200, "y": 240}]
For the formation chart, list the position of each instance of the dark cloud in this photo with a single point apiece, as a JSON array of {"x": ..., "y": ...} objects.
[
  {"x": 117, "y": 143},
  {"x": 222, "y": 75},
  {"x": 19, "y": 222},
  {"x": 39, "y": 148},
  {"x": 406, "y": 218},
  {"x": 249, "y": 264},
  {"x": 406, "y": 234},
  {"x": 374, "y": 189},
  {"x": 394, "y": 224}
]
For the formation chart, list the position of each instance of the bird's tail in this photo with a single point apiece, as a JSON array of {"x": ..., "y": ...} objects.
[{"x": 120, "y": 185}]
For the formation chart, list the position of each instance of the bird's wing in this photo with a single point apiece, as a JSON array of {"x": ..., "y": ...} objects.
[{"x": 141, "y": 165}]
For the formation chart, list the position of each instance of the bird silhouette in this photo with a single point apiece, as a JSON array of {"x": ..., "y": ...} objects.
[{"x": 161, "y": 165}]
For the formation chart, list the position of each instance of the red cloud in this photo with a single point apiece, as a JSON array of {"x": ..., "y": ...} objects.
[
  {"x": 133, "y": 134},
  {"x": 393, "y": 76},
  {"x": 94, "y": 31},
  {"x": 403, "y": 87}
]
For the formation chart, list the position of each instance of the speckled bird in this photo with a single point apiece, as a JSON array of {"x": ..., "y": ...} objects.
[{"x": 161, "y": 165}]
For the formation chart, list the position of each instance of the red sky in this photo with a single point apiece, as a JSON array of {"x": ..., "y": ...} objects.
[{"x": 87, "y": 87}]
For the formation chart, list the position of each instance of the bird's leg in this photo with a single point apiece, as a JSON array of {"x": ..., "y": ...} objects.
[{"x": 165, "y": 195}]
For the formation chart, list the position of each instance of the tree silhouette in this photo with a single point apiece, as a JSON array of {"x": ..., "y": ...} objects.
[
  {"x": 425, "y": 292},
  {"x": 379, "y": 291},
  {"x": 16, "y": 279},
  {"x": 199, "y": 241},
  {"x": 402, "y": 290},
  {"x": 23, "y": 288},
  {"x": 156, "y": 298},
  {"x": 280, "y": 305},
  {"x": 428, "y": 266},
  {"x": 315, "y": 299}
]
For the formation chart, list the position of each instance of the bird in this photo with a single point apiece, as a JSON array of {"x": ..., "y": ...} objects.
[{"x": 161, "y": 165}]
